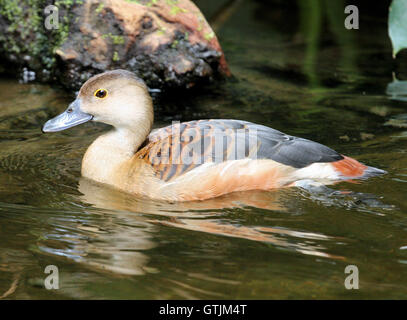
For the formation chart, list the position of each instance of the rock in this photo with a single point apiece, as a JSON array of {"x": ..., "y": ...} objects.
[{"x": 168, "y": 43}]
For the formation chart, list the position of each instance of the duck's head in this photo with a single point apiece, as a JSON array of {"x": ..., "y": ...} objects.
[{"x": 115, "y": 97}]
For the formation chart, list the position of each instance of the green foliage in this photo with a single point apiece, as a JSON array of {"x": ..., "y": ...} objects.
[
  {"x": 117, "y": 39},
  {"x": 209, "y": 36},
  {"x": 398, "y": 25},
  {"x": 100, "y": 7}
]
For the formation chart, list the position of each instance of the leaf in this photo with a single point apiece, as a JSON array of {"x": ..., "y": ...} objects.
[{"x": 398, "y": 25}]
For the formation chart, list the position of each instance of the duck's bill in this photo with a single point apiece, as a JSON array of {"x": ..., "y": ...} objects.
[{"x": 71, "y": 117}]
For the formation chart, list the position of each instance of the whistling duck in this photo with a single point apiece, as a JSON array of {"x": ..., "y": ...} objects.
[{"x": 193, "y": 160}]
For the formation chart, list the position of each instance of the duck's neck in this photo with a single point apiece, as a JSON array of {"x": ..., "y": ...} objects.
[{"x": 111, "y": 150}]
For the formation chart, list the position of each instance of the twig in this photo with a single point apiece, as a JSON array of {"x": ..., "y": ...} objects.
[
  {"x": 223, "y": 14},
  {"x": 12, "y": 288}
]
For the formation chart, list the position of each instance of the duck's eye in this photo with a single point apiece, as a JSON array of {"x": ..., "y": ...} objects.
[{"x": 100, "y": 93}]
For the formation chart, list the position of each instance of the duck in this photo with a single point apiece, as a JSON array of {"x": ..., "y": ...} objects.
[{"x": 194, "y": 160}]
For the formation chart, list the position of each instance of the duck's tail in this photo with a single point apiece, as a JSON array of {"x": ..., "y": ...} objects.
[{"x": 350, "y": 168}]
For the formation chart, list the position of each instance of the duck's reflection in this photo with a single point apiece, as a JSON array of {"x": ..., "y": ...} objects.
[
  {"x": 102, "y": 196},
  {"x": 122, "y": 248},
  {"x": 118, "y": 232}
]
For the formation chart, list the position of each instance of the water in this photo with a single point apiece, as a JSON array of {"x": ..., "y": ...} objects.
[{"x": 292, "y": 243}]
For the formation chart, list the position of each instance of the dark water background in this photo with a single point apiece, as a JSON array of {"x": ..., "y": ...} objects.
[{"x": 297, "y": 69}]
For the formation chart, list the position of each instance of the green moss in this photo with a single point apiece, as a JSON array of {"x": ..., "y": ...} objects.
[
  {"x": 115, "y": 56},
  {"x": 161, "y": 29},
  {"x": 117, "y": 39},
  {"x": 174, "y": 44},
  {"x": 151, "y": 3},
  {"x": 175, "y": 9},
  {"x": 100, "y": 7},
  {"x": 147, "y": 3},
  {"x": 209, "y": 36}
]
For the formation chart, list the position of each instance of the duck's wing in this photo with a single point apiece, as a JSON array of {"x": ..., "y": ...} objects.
[{"x": 177, "y": 149}]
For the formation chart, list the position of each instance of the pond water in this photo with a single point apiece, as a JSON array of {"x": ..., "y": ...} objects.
[{"x": 316, "y": 80}]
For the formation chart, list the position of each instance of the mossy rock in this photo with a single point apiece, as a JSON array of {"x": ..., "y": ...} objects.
[{"x": 168, "y": 43}]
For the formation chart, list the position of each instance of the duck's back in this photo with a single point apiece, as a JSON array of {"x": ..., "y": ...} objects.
[{"x": 177, "y": 149}]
